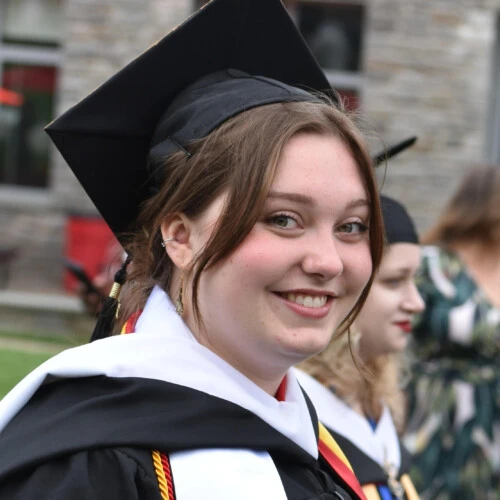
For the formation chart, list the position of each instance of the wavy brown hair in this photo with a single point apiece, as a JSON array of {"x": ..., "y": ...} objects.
[
  {"x": 473, "y": 212},
  {"x": 239, "y": 158}
]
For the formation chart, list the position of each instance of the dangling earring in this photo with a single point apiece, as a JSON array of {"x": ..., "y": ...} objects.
[{"x": 179, "y": 304}]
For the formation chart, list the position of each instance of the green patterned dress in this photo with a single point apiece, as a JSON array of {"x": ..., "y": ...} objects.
[{"x": 454, "y": 397}]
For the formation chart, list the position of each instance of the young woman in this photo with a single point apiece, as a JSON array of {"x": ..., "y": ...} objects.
[
  {"x": 364, "y": 409},
  {"x": 454, "y": 424},
  {"x": 254, "y": 226}
]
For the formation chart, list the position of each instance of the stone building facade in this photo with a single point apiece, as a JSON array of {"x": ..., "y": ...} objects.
[{"x": 426, "y": 68}]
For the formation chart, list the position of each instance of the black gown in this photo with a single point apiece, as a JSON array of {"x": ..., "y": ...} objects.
[{"x": 60, "y": 446}]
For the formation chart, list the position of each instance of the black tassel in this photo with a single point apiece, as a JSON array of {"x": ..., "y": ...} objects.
[{"x": 109, "y": 311}]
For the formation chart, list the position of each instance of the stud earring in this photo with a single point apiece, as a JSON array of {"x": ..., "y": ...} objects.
[
  {"x": 179, "y": 304},
  {"x": 168, "y": 240}
]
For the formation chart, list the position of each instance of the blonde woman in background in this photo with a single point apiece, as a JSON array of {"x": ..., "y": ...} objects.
[
  {"x": 454, "y": 421},
  {"x": 365, "y": 409}
]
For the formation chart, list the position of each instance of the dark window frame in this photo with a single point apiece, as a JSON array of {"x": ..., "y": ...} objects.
[{"x": 29, "y": 54}]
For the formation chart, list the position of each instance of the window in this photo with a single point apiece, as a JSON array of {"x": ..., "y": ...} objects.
[
  {"x": 334, "y": 32},
  {"x": 30, "y": 37}
]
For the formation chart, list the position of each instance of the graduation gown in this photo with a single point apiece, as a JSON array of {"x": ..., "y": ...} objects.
[
  {"x": 370, "y": 451},
  {"x": 155, "y": 415}
]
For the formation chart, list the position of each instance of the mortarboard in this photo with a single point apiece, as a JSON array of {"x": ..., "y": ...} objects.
[
  {"x": 229, "y": 56},
  {"x": 393, "y": 150},
  {"x": 399, "y": 226}
]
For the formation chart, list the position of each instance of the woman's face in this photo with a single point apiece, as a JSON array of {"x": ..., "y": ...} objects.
[
  {"x": 385, "y": 320},
  {"x": 282, "y": 293}
]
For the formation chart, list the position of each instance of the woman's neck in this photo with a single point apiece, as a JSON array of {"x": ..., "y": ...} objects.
[{"x": 267, "y": 374}]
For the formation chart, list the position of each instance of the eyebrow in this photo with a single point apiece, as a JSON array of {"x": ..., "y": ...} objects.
[
  {"x": 300, "y": 198},
  {"x": 307, "y": 200},
  {"x": 360, "y": 202}
]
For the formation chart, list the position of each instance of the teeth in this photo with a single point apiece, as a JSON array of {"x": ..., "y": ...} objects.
[{"x": 307, "y": 300}]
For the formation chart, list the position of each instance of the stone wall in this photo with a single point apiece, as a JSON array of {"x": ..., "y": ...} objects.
[{"x": 429, "y": 73}]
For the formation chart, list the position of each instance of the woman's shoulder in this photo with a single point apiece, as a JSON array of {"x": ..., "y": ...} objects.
[{"x": 110, "y": 473}]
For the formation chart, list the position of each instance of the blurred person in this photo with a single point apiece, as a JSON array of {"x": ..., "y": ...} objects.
[
  {"x": 454, "y": 420},
  {"x": 250, "y": 211},
  {"x": 364, "y": 409},
  {"x": 93, "y": 297}
]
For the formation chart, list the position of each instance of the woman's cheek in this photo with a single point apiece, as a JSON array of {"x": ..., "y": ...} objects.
[{"x": 361, "y": 266}]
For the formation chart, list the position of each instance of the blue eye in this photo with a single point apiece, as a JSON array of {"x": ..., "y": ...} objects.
[
  {"x": 354, "y": 228},
  {"x": 283, "y": 221}
]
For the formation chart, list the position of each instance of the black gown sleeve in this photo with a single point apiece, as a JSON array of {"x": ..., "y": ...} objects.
[{"x": 108, "y": 474}]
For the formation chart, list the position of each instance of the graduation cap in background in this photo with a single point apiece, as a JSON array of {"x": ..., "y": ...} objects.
[
  {"x": 393, "y": 150},
  {"x": 399, "y": 226},
  {"x": 158, "y": 103}
]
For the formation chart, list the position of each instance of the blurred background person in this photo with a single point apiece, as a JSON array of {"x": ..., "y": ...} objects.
[
  {"x": 94, "y": 296},
  {"x": 364, "y": 409},
  {"x": 454, "y": 425}
]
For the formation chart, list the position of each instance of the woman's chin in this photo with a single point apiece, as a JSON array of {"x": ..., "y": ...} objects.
[
  {"x": 398, "y": 347},
  {"x": 304, "y": 347}
]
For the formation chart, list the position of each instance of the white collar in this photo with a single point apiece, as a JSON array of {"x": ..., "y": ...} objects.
[
  {"x": 379, "y": 444},
  {"x": 163, "y": 348}
]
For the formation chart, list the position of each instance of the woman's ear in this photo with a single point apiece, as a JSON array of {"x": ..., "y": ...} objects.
[{"x": 176, "y": 233}]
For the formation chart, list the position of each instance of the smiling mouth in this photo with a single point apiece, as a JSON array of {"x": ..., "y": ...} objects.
[
  {"x": 303, "y": 299},
  {"x": 309, "y": 304},
  {"x": 312, "y": 301}
]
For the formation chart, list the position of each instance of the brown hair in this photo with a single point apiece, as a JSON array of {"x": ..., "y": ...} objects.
[
  {"x": 473, "y": 213},
  {"x": 240, "y": 158}
]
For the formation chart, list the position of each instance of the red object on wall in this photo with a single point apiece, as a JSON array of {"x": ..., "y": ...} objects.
[
  {"x": 88, "y": 241},
  {"x": 10, "y": 98}
]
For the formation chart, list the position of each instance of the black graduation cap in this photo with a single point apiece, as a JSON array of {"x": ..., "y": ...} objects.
[
  {"x": 399, "y": 226},
  {"x": 229, "y": 56}
]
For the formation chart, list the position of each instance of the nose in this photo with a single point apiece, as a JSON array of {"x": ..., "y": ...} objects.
[
  {"x": 414, "y": 302},
  {"x": 322, "y": 258}
]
